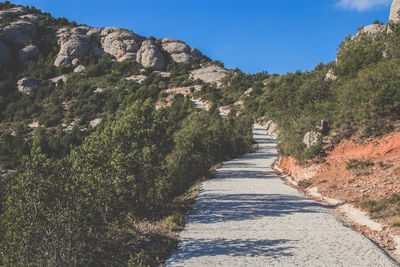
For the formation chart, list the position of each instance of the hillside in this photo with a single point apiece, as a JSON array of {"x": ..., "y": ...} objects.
[
  {"x": 97, "y": 159},
  {"x": 101, "y": 145}
]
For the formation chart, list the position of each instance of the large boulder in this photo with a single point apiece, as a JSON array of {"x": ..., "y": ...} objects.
[
  {"x": 394, "y": 11},
  {"x": 20, "y": 32},
  {"x": 121, "y": 44},
  {"x": 26, "y": 85},
  {"x": 311, "y": 138},
  {"x": 27, "y": 54},
  {"x": 74, "y": 44},
  {"x": 150, "y": 56},
  {"x": 209, "y": 74},
  {"x": 4, "y": 54},
  {"x": 74, "y": 47},
  {"x": 179, "y": 51}
]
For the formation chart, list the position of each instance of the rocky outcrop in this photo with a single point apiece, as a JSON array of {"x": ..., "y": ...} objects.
[
  {"x": 150, "y": 56},
  {"x": 330, "y": 76},
  {"x": 73, "y": 44},
  {"x": 26, "y": 85},
  {"x": 121, "y": 44},
  {"x": 62, "y": 78},
  {"x": 79, "y": 69},
  {"x": 15, "y": 10},
  {"x": 311, "y": 138},
  {"x": 94, "y": 123},
  {"x": 179, "y": 51},
  {"x": 95, "y": 30},
  {"x": 137, "y": 78},
  {"x": 19, "y": 32},
  {"x": 30, "y": 17},
  {"x": 372, "y": 30},
  {"x": 27, "y": 54},
  {"x": 209, "y": 74},
  {"x": 394, "y": 11},
  {"x": 272, "y": 129},
  {"x": 4, "y": 54}
]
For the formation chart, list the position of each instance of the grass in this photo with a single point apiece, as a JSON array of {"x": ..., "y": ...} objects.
[{"x": 384, "y": 207}]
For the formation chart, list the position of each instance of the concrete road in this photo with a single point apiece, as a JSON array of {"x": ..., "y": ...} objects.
[{"x": 247, "y": 216}]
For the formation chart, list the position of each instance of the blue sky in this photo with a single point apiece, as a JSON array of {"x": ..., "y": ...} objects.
[{"x": 254, "y": 35}]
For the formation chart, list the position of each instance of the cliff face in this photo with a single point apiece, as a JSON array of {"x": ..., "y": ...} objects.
[{"x": 394, "y": 11}]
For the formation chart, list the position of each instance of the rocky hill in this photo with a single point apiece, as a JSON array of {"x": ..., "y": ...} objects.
[{"x": 58, "y": 75}]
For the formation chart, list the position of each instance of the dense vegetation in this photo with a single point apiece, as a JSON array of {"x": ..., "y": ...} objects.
[
  {"x": 64, "y": 212},
  {"x": 363, "y": 99},
  {"x": 80, "y": 195}
]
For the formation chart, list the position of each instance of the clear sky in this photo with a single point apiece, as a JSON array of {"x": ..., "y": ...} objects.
[{"x": 254, "y": 35}]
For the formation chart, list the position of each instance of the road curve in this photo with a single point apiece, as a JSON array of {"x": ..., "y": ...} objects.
[{"x": 247, "y": 216}]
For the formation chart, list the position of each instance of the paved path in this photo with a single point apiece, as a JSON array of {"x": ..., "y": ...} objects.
[{"x": 248, "y": 217}]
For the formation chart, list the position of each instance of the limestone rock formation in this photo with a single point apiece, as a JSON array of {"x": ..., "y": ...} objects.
[
  {"x": 73, "y": 44},
  {"x": 121, "y": 44},
  {"x": 209, "y": 74},
  {"x": 179, "y": 51},
  {"x": 79, "y": 69},
  {"x": 311, "y": 138},
  {"x": 20, "y": 31},
  {"x": 15, "y": 10},
  {"x": 76, "y": 43},
  {"x": 150, "y": 56},
  {"x": 272, "y": 129},
  {"x": 27, "y": 54},
  {"x": 137, "y": 78},
  {"x": 373, "y": 30},
  {"x": 30, "y": 17},
  {"x": 394, "y": 11},
  {"x": 330, "y": 76},
  {"x": 62, "y": 78},
  {"x": 26, "y": 85},
  {"x": 4, "y": 54},
  {"x": 94, "y": 123}
]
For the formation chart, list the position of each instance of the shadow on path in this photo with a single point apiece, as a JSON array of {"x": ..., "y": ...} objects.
[
  {"x": 193, "y": 248},
  {"x": 212, "y": 208}
]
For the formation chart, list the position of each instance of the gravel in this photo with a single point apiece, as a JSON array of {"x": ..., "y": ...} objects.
[{"x": 247, "y": 216}]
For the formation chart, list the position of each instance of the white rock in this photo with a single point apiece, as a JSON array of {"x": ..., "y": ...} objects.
[
  {"x": 209, "y": 74},
  {"x": 14, "y": 10},
  {"x": 163, "y": 74},
  {"x": 59, "y": 78},
  {"x": 98, "y": 90},
  {"x": 121, "y": 44},
  {"x": 26, "y": 85},
  {"x": 30, "y": 17},
  {"x": 73, "y": 46},
  {"x": 79, "y": 69},
  {"x": 20, "y": 32},
  {"x": 27, "y": 54},
  {"x": 372, "y": 30},
  {"x": 33, "y": 124},
  {"x": 179, "y": 51},
  {"x": 137, "y": 78},
  {"x": 330, "y": 75},
  {"x": 96, "y": 30},
  {"x": 311, "y": 138},
  {"x": 94, "y": 123},
  {"x": 150, "y": 56},
  {"x": 394, "y": 11}
]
